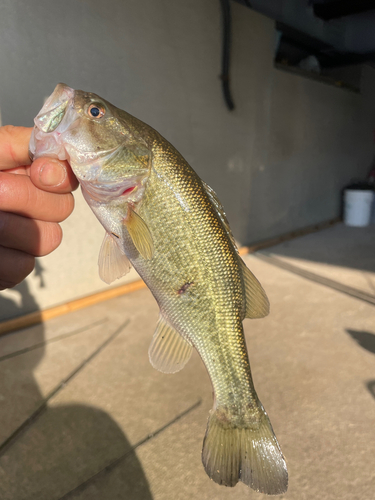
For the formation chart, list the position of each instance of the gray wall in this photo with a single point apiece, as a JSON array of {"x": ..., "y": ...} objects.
[{"x": 277, "y": 162}]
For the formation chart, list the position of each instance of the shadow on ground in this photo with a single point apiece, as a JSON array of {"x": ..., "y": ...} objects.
[
  {"x": 364, "y": 339},
  {"x": 57, "y": 452},
  {"x": 68, "y": 455},
  {"x": 24, "y": 301},
  {"x": 371, "y": 387},
  {"x": 367, "y": 341},
  {"x": 340, "y": 245}
]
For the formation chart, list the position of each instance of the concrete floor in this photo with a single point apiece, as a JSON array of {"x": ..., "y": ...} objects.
[{"x": 85, "y": 416}]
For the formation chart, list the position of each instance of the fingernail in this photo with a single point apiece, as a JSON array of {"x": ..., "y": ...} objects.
[{"x": 52, "y": 174}]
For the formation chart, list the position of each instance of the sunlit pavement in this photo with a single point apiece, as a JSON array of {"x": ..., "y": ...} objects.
[{"x": 85, "y": 416}]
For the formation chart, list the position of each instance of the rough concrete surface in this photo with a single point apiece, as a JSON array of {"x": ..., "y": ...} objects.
[{"x": 85, "y": 416}]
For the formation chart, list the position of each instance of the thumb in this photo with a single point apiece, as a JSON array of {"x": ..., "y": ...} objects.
[{"x": 53, "y": 175}]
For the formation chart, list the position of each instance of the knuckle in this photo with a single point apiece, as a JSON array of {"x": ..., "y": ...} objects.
[
  {"x": 8, "y": 129},
  {"x": 66, "y": 206},
  {"x": 29, "y": 264},
  {"x": 26, "y": 264},
  {"x": 9, "y": 133},
  {"x": 51, "y": 238}
]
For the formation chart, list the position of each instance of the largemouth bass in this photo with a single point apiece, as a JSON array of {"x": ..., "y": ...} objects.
[{"x": 160, "y": 217}]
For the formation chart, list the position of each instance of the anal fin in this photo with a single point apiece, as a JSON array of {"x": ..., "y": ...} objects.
[
  {"x": 113, "y": 263},
  {"x": 169, "y": 351},
  {"x": 257, "y": 304}
]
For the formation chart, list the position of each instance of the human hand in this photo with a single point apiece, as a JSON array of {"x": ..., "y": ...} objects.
[{"x": 34, "y": 198}]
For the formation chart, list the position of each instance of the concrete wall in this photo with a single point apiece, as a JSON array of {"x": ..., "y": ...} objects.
[{"x": 277, "y": 162}]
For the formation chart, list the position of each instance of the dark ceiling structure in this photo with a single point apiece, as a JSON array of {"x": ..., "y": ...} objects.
[
  {"x": 336, "y": 32},
  {"x": 335, "y": 9},
  {"x": 320, "y": 39}
]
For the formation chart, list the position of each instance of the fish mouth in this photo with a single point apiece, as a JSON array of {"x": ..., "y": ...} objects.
[
  {"x": 53, "y": 111},
  {"x": 56, "y": 117},
  {"x": 51, "y": 137}
]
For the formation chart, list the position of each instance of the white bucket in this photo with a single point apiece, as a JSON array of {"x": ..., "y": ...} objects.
[{"x": 357, "y": 207}]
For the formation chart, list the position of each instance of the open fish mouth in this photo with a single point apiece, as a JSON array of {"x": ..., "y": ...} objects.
[
  {"x": 53, "y": 124},
  {"x": 56, "y": 117},
  {"x": 53, "y": 111}
]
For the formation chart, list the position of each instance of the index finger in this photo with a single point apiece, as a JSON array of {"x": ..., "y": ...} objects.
[{"x": 14, "y": 146}]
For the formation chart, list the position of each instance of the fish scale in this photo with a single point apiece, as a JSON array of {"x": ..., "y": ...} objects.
[
  {"x": 159, "y": 215},
  {"x": 223, "y": 266}
]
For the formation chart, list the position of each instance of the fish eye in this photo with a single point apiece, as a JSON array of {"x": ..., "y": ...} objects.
[{"x": 96, "y": 111}]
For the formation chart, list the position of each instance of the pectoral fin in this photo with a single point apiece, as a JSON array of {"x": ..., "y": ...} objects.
[
  {"x": 257, "y": 304},
  {"x": 113, "y": 263},
  {"x": 140, "y": 234},
  {"x": 168, "y": 352}
]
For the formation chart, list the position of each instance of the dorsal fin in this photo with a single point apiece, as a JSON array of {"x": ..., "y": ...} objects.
[
  {"x": 257, "y": 304},
  {"x": 220, "y": 211},
  {"x": 113, "y": 263},
  {"x": 168, "y": 351}
]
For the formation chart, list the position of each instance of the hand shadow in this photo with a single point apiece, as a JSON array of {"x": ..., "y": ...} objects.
[
  {"x": 371, "y": 387},
  {"x": 58, "y": 452},
  {"x": 367, "y": 341}
]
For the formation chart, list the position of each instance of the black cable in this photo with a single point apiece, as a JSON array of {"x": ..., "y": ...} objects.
[{"x": 226, "y": 16}]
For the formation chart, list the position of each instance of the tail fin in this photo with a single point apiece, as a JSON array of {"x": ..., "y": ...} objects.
[{"x": 251, "y": 455}]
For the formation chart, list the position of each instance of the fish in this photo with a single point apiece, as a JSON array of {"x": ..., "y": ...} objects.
[{"x": 163, "y": 220}]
